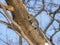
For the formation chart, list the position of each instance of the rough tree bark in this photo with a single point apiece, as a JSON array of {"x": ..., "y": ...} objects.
[{"x": 20, "y": 15}]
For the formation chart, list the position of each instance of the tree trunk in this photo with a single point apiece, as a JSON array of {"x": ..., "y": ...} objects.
[{"x": 20, "y": 15}]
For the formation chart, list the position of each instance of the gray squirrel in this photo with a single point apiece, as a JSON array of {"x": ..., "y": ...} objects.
[
  {"x": 33, "y": 21},
  {"x": 35, "y": 25}
]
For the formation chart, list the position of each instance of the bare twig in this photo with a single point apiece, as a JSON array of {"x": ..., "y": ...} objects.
[
  {"x": 39, "y": 11},
  {"x": 52, "y": 20},
  {"x": 20, "y": 40},
  {"x": 2, "y": 22},
  {"x": 43, "y": 2},
  {"x": 4, "y": 16},
  {"x": 52, "y": 3},
  {"x": 49, "y": 24},
  {"x": 59, "y": 26},
  {"x": 42, "y": 8},
  {"x": 4, "y": 42},
  {"x": 53, "y": 34},
  {"x": 7, "y": 24},
  {"x": 56, "y": 19}
]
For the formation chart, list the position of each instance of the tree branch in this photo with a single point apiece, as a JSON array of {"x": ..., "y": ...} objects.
[
  {"x": 51, "y": 38},
  {"x": 52, "y": 20},
  {"x": 10, "y": 8},
  {"x": 7, "y": 16},
  {"x": 2, "y": 22},
  {"x": 20, "y": 40},
  {"x": 22, "y": 24}
]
